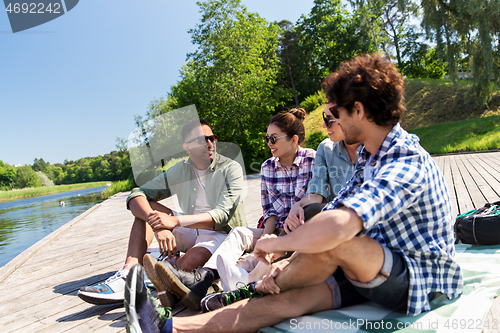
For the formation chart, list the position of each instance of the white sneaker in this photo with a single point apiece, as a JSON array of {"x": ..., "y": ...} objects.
[
  {"x": 230, "y": 274},
  {"x": 110, "y": 291}
]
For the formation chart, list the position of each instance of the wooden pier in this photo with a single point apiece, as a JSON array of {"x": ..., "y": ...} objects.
[{"x": 38, "y": 288}]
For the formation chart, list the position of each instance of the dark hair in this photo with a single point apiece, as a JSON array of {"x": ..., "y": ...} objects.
[
  {"x": 189, "y": 126},
  {"x": 372, "y": 80},
  {"x": 291, "y": 122}
]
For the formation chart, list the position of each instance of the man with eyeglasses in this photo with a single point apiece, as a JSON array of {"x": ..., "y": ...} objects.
[{"x": 209, "y": 187}]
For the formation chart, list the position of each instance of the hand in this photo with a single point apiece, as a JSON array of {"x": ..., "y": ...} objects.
[
  {"x": 263, "y": 250},
  {"x": 268, "y": 283},
  {"x": 295, "y": 218},
  {"x": 159, "y": 221},
  {"x": 166, "y": 242}
]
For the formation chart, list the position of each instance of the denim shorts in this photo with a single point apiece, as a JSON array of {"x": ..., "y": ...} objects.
[{"x": 389, "y": 288}]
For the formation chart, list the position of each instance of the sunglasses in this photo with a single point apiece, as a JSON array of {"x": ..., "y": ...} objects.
[
  {"x": 328, "y": 120},
  {"x": 201, "y": 140},
  {"x": 335, "y": 111},
  {"x": 272, "y": 139}
]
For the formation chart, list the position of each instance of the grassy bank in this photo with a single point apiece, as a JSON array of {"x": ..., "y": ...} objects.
[
  {"x": 446, "y": 117},
  {"x": 34, "y": 192},
  {"x": 466, "y": 135},
  {"x": 432, "y": 102},
  {"x": 117, "y": 187}
]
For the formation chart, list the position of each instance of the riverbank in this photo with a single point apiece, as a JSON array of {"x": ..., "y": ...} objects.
[{"x": 38, "y": 191}]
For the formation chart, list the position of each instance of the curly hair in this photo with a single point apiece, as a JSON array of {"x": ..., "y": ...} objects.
[
  {"x": 372, "y": 80},
  {"x": 291, "y": 122}
]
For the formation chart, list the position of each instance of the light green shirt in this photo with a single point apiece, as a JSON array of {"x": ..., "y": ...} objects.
[{"x": 223, "y": 187}]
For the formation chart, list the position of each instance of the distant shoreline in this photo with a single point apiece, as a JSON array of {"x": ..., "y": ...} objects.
[{"x": 39, "y": 191}]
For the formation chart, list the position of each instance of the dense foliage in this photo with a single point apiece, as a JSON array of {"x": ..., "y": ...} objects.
[
  {"x": 467, "y": 32},
  {"x": 110, "y": 167},
  {"x": 246, "y": 69}
]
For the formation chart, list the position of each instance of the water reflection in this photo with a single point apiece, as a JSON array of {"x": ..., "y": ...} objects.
[{"x": 24, "y": 222}]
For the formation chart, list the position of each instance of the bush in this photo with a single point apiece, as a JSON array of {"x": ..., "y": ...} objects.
[
  {"x": 314, "y": 101},
  {"x": 26, "y": 177},
  {"x": 117, "y": 187},
  {"x": 314, "y": 139},
  {"x": 44, "y": 180}
]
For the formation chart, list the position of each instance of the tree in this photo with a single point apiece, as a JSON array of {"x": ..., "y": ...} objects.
[
  {"x": 326, "y": 37},
  {"x": 388, "y": 21},
  {"x": 467, "y": 29},
  {"x": 7, "y": 176},
  {"x": 421, "y": 61},
  {"x": 55, "y": 173},
  {"x": 289, "y": 54},
  {"x": 234, "y": 73},
  {"x": 44, "y": 180},
  {"x": 39, "y": 165},
  {"x": 26, "y": 177}
]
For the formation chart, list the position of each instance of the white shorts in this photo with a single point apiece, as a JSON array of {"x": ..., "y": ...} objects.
[{"x": 187, "y": 238}]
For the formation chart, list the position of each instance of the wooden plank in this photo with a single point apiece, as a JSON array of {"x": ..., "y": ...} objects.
[
  {"x": 475, "y": 193},
  {"x": 473, "y": 164},
  {"x": 448, "y": 178},
  {"x": 490, "y": 165},
  {"x": 463, "y": 199},
  {"x": 472, "y": 187},
  {"x": 493, "y": 158}
]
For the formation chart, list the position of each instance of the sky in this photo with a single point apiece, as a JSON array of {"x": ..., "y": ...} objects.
[{"x": 71, "y": 86}]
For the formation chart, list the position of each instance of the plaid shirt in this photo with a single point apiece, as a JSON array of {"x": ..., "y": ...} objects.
[
  {"x": 404, "y": 205},
  {"x": 281, "y": 188}
]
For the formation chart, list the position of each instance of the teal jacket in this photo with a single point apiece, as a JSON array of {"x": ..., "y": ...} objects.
[{"x": 223, "y": 187}]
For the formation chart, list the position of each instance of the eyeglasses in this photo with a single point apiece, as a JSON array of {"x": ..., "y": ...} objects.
[
  {"x": 201, "y": 140},
  {"x": 328, "y": 120},
  {"x": 335, "y": 111},
  {"x": 272, "y": 139}
]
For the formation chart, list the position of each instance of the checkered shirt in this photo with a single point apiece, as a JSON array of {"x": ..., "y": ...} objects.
[
  {"x": 405, "y": 207},
  {"x": 281, "y": 188}
]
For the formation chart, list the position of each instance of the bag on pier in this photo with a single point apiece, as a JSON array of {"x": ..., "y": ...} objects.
[{"x": 479, "y": 226}]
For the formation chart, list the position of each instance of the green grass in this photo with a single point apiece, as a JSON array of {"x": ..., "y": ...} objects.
[
  {"x": 313, "y": 124},
  {"x": 117, "y": 187},
  {"x": 472, "y": 134},
  {"x": 34, "y": 192},
  {"x": 431, "y": 102}
]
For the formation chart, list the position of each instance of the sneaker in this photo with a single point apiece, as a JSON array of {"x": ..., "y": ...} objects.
[
  {"x": 219, "y": 300},
  {"x": 143, "y": 313},
  {"x": 230, "y": 274},
  {"x": 108, "y": 292},
  {"x": 167, "y": 299},
  {"x": 190, "y": 287}
]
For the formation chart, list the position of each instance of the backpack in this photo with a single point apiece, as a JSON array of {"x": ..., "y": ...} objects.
[{"x": 479, "y": 226}]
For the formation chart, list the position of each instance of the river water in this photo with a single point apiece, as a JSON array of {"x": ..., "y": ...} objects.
[{"x": 24, "y": 222}]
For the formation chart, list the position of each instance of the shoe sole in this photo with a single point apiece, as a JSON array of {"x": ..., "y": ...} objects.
[
  {"x": 92, "y": 298},
  {"x": 134, "y": 285},
  {"x": 175, "y": 286},
  {"x": 166, "y": 298}
]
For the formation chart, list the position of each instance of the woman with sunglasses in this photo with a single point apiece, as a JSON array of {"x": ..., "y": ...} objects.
[
  {"x": 284, "y": 179},
  {"x": 334, "y": 166}
]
